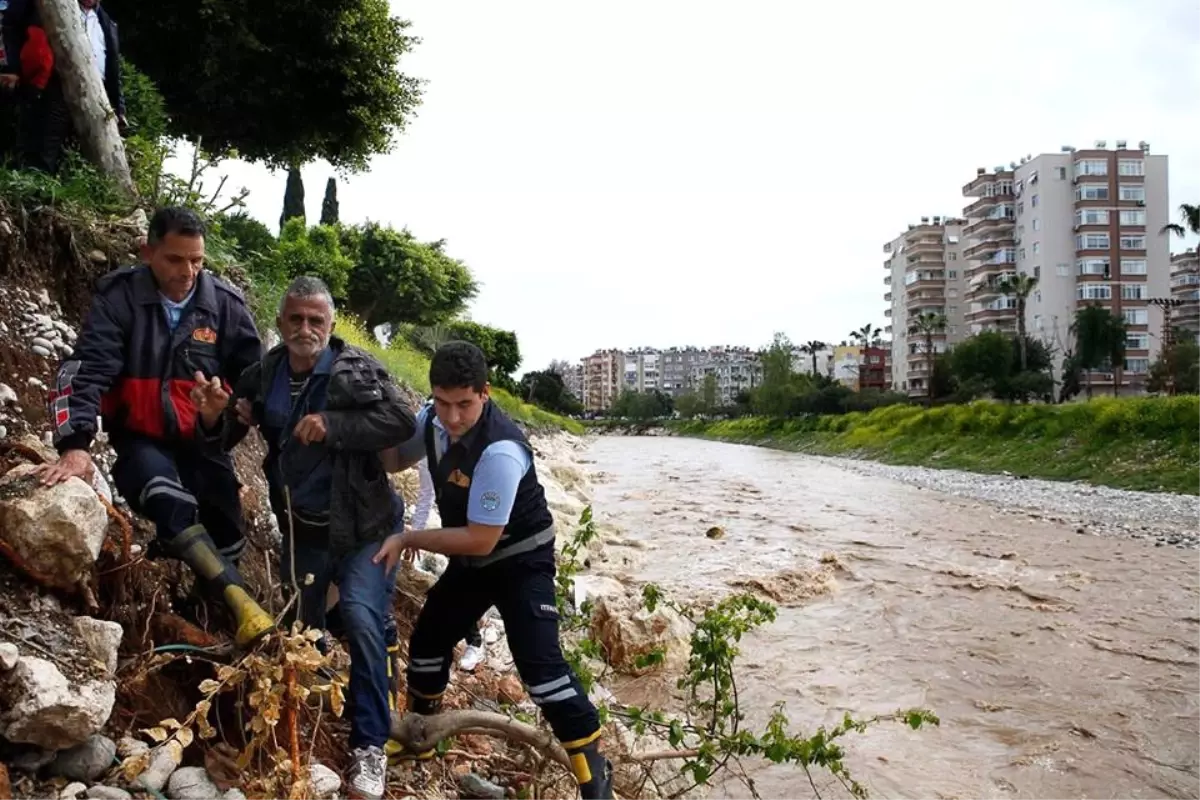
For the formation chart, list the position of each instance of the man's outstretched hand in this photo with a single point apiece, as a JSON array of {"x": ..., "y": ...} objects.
[
  {"x": 71, "y": 464},
  {"x": 210, "y": 399},
  {"x": 392, "y": 550},
  {"x": 310, "y": 429}
]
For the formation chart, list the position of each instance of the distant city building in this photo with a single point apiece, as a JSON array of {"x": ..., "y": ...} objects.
[
  {"x": 603, "y": 378},
  {"x": 1185, "y": 291},
  {"x": 736, "y": 369}
]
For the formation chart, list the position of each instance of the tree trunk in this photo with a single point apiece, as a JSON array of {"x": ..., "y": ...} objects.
[
  {"x": 1021, "y": 334},
  {"x": 94, "y": 120},
  {"x": 929, "y": 360}
]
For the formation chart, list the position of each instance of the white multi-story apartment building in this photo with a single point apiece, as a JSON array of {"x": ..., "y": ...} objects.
[
  {"x": 1185, "y": 291},
  {"x": 925, "y": 275},
  {"x": 1085, "y": 223},
  {"x": 736, "y": 369},
  {"x": 802, "y": 361},
  {"x": 641, "y": 370}
]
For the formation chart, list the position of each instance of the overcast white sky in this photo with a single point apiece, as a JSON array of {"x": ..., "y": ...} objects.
[{"x": 662, "y": 173}]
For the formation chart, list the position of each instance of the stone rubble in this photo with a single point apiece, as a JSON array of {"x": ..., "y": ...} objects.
[{"x": 1162, "y": 518}]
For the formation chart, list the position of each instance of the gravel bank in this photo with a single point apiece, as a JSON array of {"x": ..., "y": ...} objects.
[{"x": 1164, "y": 519}]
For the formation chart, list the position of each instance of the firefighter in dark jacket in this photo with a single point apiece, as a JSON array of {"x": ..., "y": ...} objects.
[
  {"x": 499, "y": 535},
  {"x": 326, "y": 409},
  {"x": 28, "y": 68},
  {"x": 152, "y": 333}
]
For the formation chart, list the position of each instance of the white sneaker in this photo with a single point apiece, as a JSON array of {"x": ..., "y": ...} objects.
[
  {"x": 470, "y": 658},
  {"x": 368, "y": 773}
]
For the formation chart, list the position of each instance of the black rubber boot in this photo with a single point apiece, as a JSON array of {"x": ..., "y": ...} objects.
[
  {"x": 195, "y": 548},
  {"x": 592, "y": 770}
]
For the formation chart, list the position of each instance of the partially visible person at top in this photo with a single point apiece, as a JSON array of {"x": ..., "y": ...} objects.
[
  {"x": 153, "y": 333},
  {"x": 29, "y": 71},
  {"x": 325, "y": 409},
  {"x": 499, "y": 534}
]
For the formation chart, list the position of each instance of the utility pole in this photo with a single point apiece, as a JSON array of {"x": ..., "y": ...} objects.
[{"x": 1168, "y": 337}]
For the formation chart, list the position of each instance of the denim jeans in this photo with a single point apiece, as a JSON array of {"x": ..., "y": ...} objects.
[{"x": 364, "y": 605}]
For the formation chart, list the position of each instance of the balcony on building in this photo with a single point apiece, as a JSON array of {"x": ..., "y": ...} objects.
[
  {"x": 988, "y": 183},
  {"x": 985, "y": 247}
]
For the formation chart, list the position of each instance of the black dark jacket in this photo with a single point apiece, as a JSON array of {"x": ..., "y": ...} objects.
[
  {"x": 128, "y": 365},
  {"x": 364, "y": 414},
  {"x": 452, "y": 474},
  {"x": 20, "y": 14}
]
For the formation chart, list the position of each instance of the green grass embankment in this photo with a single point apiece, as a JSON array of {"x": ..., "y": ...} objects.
[
  {"x": 1148, "y": 444},
  {"x": 412, "y": 367}
]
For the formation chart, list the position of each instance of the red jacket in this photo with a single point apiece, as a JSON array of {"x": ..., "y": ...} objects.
[
  {"x": 129, "y": 366},
  {"x": 37, "y": 59}
]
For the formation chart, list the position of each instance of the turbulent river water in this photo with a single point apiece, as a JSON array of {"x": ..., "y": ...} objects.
[{"x": 1060, "y": 665}]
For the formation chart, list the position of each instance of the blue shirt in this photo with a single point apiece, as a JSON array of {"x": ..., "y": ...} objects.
[
  {"x": 496, "y": 476},
  {"x": 174, "y": 310}
]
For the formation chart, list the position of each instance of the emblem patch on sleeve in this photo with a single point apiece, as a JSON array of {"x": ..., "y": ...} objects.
[{"x": 490, "y": 501}]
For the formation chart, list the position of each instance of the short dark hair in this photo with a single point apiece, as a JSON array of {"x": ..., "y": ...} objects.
[
  {"x": 457, "y": 365},
  {"x": 174, "y": 219}
]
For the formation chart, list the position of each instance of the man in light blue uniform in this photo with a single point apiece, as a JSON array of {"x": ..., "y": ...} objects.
[{"x": 499, "y": 535}]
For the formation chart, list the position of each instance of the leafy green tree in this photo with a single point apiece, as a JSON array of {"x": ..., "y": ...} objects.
[
  {"x": 501, "y": 349},
  {"x": 293, "y": 198},
  {"x": 642, "y": 405},
  {"x": 689, "y": 404},
  {"x": 927, "y": 326},
  {"x": 1099, "y": 341},
  {"x": 329, "y": 205},
  {"x": 1177, "y": 369},
  {"x": 278, "y": 83},
  {"x": 774, "y": 397},
  {"x": 397, "y": 279},
  {"x": 1020, "y": 287},
  {"x": 545, "y": 388},
  {"x": 709, "y": 392},
  {"x": 309, "y": 251},
  {"x": 251, "y": 238},
  {"x": 989, "y": 364}
]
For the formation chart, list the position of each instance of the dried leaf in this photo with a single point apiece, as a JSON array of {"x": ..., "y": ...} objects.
[
  {"x": 209, "y": 686},
  {"x": 171, "y": 724},
  {"x": 157, "y": 734},
  {"x": 184, "y": 736},
  {"x": 135, "y": 765},
  {"x": 314, "y": 634},
  {"x": 337, "y": 701}
]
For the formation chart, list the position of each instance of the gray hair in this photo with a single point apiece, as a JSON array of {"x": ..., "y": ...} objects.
[{"x": 304, "y": 288}]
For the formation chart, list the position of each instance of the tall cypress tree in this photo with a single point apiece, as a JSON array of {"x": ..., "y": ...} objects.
[
  {"x": 293, "y": 197},
  {"x": 329, "y": 206}
]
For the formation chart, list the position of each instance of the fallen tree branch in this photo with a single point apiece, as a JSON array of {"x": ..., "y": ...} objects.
[
  {"x": 419, "y": 733},
  {"x": 659, "y": 755}
]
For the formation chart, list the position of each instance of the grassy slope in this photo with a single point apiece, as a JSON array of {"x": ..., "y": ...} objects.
[
  {"x": 412, "y": 368},
  {"x": 1150, "y": 444}
]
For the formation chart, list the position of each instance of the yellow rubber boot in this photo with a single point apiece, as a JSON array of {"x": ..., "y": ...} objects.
[{"x": 195, "y": 548}]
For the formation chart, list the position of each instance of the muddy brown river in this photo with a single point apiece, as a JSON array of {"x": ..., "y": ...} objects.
[{"x": 1060, "y": 665}]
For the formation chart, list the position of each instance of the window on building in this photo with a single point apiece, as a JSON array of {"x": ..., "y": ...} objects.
[
  {"x": 1062, "y": 270},
  {"x": 1133, "y": 216},
  {"x": 1138, "y": 366},
  {"x": 1092, "y": 241},
  {"x": 1091, "y": 166},
  {"x": 1134, "y": 192},
  {"x": 1136, "y": 316},
  {"x": 1037, "y": 272},
  {"x": 952, "y": 239},
  {"x": 1021, "y": 254},
  {"x": 1133, "y": 266},
  {"x": 953, "y": 309},
  {"x": 952, "y": 292},
  {"x": 1093, "y": 291},
  {"x": 1091, "y": 191},
  {"x": 1020, "y": 208},
  {"x": 1093, "y": 266},
  {"x": 1133, "y": 291},
  {"x": 1037, "y": 321},
  {"x": 1091, "y": 216},
  {"x": 1137, "y": 242},
  {"x": 1033, "y": 201},
  {"x": 1037, "y": 296},
  {"x": 1037, "y": 224},
  {"x": 1060, "y": 173},
  {"x": 952, "y": 274},
  {"x": 1137, "y": 341},
  {"x": 1131, "y": 166},
  {"x": 1037, "y": 248},
  {"x": 952, "y": 256}
]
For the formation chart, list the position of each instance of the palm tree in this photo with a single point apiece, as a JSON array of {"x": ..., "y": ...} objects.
[
  {"x": 864, "y": 337},
  {"x": 927, "y": 326},
  {"x": 1191, "y": 221},
  {"x": 1099, "y": 341},
  {"x": 1020, "y": 287},
  {"x": 812, "y": 348}
]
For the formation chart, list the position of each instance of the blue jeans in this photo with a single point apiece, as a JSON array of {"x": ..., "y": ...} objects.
[{"x": 364, "y": 604}]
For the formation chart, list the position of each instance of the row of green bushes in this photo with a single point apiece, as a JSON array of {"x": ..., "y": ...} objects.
[{"x": 1148, "y": 443}]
